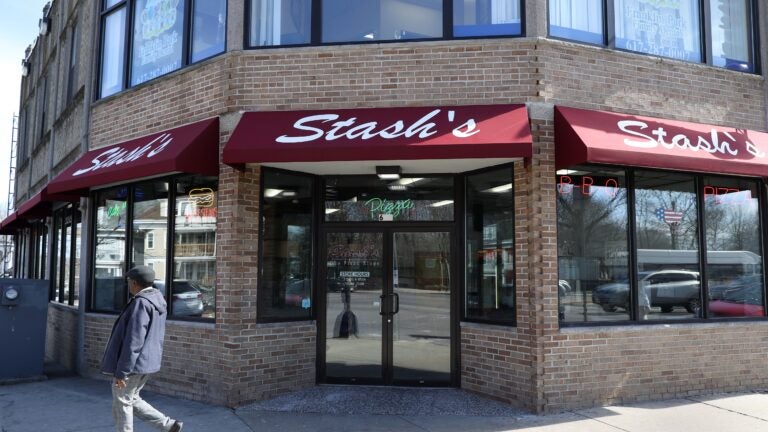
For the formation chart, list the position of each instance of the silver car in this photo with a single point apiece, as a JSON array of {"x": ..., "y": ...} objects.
[{"x": 186, "y": 297}]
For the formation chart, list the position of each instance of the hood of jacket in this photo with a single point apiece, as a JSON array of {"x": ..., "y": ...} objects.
[{"x": 155, "y": 297}]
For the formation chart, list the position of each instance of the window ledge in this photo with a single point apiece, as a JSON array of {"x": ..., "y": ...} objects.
[{"x": 620, "y": 329}]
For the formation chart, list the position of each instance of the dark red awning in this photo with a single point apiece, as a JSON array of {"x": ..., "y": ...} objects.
[
  {"x": 457, "y": 132},
  {"x": 621, "y": 139},
  {"x": 41, "y": 204},
  {"x": 192, "y": 149},
  {"x": 11, "y": 224}
]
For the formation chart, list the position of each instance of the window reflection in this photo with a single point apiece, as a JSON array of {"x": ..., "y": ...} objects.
[
  {"x": 209, "y": 25},
  {"x": 490, "y": 231},
  {"x": 194, "y": 274},
  {"x": 593, "y": 257},
  {"x": 580, "y": 20},
  {"x": 286, "y": 274},
  {"x": 731, "y": 25},
  {"x": 668, "y": 246},
  {"x": 280, "y": 22},
  {"x": 486, "y": 17},
  {"x": 111, "y": 218},
  {"x": 734, "y": 258},
  {"x": 377, "y": 20}
]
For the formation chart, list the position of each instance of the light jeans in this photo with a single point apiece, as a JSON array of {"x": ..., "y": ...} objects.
[{"x": 126, "y": 402}]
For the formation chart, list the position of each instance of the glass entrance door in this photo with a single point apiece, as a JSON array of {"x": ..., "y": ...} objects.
[{"x": 388, "y": 307}]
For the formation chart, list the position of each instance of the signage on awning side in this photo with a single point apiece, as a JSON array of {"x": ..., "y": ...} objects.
[
  {"x": 585, "y": 136},
  {"x": 119, "y": 155},
  {"x": 405, "y": 133}
]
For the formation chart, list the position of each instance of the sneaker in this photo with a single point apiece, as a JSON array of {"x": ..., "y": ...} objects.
[{"x": 177, "y": 425}]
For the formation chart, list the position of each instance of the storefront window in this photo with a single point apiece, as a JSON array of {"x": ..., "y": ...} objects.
[
  {"x": 109, "y": 290},
  {"x": 580, "y": 20},
  {"x": 150, "y": 218},
  {"x": 666, "y": 221},
  {"x": 732, "y": 34},
  {"x": 194, "y": 249},
  {"x": 66, "y": 256},
  {"x": 280, "y": 22},
  {"x": 486, "y": 18},
  {"x": 381, "y": 20},
  {"x": 371, "y": 199},
  {"x": 208, "y": 28},
  {"x": 490, "y": 229},
  {"x": 285, "y": 288},
  {"x": 734, "y": 258},
  {"x": 593, "y": 259}
]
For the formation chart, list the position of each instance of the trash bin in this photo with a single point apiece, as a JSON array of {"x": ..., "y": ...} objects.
[{"x": 23, "y": 317}]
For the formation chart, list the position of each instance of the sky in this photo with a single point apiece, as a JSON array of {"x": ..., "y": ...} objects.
[{"x": 18, "y": 29}]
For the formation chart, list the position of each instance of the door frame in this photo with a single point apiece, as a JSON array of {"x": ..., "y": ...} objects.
[{"x": 387, "y": 229}]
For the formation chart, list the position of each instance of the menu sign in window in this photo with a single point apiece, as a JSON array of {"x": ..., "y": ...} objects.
[
  {"x": 666, "y": 28},
  {"x": 157, "y": 38}
]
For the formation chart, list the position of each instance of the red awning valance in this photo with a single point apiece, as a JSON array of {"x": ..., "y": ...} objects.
[
  {"x": 41, "y": 204},
  {"x": 620, "y": 139},
  {"x": 192, "y": 149},
  {"x": 458, "y": 132},
  {"x": 11, "y": 224}
]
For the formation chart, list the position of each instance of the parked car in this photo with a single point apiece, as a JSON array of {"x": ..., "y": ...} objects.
[
  {"x": 186, "y": 298},
  {"x": 739, "y": 300},
  {"x": 661, "y": 288}
]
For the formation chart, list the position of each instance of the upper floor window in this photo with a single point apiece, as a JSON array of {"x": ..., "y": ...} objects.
[
  {"x": 290, "y": 22},
  {"x": 72, "y": 70},
  {"x": 716, "y": 32},
  {"x": 165, "y": 36}
]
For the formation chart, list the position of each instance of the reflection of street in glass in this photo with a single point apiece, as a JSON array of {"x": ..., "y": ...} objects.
[{"x": 346, "y": 322}]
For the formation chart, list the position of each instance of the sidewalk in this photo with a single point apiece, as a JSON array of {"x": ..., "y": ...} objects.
[{"x": 76, "y": 404}]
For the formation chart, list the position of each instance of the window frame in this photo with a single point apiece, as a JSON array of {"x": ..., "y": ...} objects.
[
  {"x": 316, "y": 25},
  {"x": 171, "y": 182},
  {"x": 634, "y": 282},
  {"x": 511, "y": 321},
  {"x": 58, "y": 259},
  {"x": 315, "y": 238},
  {"x": 705, "y": 35},
  {"x": 128, "y": 45}
]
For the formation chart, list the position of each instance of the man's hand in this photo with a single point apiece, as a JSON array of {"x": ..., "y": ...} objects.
[{"x": 120, "y": 383}]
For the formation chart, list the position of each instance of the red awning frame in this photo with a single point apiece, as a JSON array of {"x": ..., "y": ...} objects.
[
  {"x": 373, "y": 134},
  {"x": 191, "y": 149},
  {"x": 41, "y": 204},
  {"x": 11, "y": 224},
  {"x": 585, "y": 136}
]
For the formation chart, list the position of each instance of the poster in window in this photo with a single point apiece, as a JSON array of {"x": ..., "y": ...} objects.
[
  {"x": 158, "y": 34},
  {"x": 666, "y": 28}
]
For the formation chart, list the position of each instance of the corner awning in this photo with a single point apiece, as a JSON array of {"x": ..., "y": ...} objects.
[
  {"x": 192, "y": 149},
  {"x": 378, "y": 134},
  {"x": 11, "y": 224},
  {"x": 41, "y": 204},
  {"x": 583, "y": 136}
]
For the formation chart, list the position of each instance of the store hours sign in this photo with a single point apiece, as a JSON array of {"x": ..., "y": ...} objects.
[{"x": 157, "y": 38}]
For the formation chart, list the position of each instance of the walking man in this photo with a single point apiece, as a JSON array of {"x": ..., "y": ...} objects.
[{"x": 135, "y": 350}]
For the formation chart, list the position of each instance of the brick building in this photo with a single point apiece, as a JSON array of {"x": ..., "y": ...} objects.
[{"x": 553, "y": 206}]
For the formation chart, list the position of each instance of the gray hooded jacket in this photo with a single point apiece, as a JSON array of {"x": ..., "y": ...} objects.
[{"x": 136, "y": 343}]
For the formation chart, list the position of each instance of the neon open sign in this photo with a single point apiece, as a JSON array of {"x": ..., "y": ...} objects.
[{"x": 586, "y": 185}]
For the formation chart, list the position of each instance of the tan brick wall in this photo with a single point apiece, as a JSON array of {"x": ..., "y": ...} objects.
[{"x": 237, "y": 360}]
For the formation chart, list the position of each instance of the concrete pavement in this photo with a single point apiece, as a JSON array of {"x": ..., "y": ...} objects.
[{"x": 75, "y": 404}]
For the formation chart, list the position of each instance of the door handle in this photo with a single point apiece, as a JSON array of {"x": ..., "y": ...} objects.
[
  {"x": 381, "y": 304},
  {"x": 397, "y": 303}
]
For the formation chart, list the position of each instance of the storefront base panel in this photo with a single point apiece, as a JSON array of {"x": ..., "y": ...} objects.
[
  {"x": 606, "y": 366},
  {"x": 270, "y": 360},
  {"x": 61, "y": 336},
  {"x": 192, "y": 359},
  {"x": 496, "y": 362}
]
